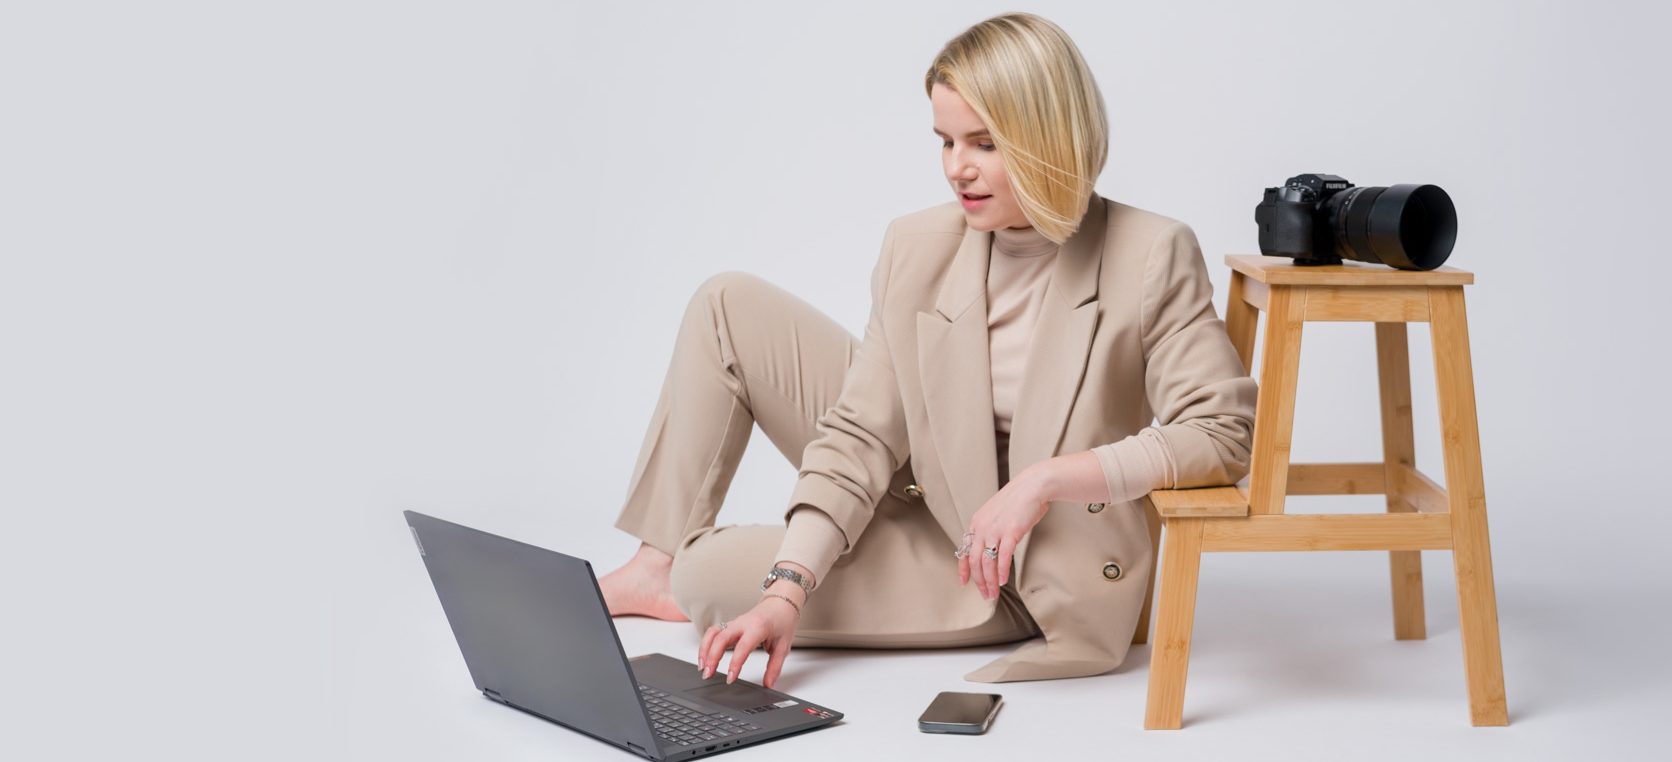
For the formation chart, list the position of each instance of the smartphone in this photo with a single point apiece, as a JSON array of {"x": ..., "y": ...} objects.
[{"x": 953, "y": 712}]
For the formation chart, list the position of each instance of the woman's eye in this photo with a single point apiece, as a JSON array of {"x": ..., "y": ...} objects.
[
  {"x": 947, "y": 144},
  {"x": 986, "y": 146}
]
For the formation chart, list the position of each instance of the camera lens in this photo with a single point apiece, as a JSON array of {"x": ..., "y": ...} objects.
[{"x": 1410, "y": 227}]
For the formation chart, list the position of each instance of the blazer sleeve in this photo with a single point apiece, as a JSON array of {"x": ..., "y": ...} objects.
[
  {"x": 1202, "y": 396},
  {"x": 861, "y": 440}
]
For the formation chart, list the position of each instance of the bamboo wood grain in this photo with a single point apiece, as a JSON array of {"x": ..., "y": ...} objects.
[
  {"x": 1471, "y": 553},
  {"x": 1308, "y": 531},
  {"x": 1282, "y": 271},
  {"x": 1393, "y": 372},
  {"x": 1274, "y": 408},
  {"x": 1152, "y": 518},
  {"x": 1420, "y": 492},
  {"x": 1201, "y": 502},
  {"x": 1175, "y": 616},
  {"x": 1421, "y": 515},
  {"x": 1336, "y": 479},
  {"x": 1242, "y": 317},
  {"x": 1367, "y": 304},
  {"x": 1257, "y": 294}
]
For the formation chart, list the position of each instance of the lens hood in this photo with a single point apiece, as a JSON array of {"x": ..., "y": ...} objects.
[{"x": 1411, "y": 227}]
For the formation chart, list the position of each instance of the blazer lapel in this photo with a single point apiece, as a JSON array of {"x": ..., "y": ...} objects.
[
  {"x": 1057, "y": 355},
  {"x": 958, "y": 377}
]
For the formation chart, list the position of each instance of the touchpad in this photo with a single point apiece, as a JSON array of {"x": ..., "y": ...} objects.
[{"x": 740, "y": 696}]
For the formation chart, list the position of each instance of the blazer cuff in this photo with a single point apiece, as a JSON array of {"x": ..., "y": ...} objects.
[
  {"x": 850, "y": 514},
  {"x": 812, "y": 540},
  {"x": 1136, "y": 465}
]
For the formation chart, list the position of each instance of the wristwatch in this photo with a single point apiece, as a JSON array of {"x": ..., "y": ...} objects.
[{"x": 779, "y": 572}]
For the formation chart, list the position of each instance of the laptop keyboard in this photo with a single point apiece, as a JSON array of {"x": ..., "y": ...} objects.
[{"x": 680, "y": 724}]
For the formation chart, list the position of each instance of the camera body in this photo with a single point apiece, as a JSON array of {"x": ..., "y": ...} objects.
[
  {"x": 1319, "y": 219},
  {"x": 1288, "y": 219}
]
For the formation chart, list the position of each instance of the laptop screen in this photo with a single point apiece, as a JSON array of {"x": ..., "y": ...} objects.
[{"x": 533, "y": 629}]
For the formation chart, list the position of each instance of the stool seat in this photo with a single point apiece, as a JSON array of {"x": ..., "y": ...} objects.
[{"x": 1421, "y": 515}]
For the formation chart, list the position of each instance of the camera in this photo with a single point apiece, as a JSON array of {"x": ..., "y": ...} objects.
[{"x": 1322, "y": 219}]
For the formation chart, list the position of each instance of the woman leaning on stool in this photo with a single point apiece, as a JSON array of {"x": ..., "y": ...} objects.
[{"x": 995, "y": 416}]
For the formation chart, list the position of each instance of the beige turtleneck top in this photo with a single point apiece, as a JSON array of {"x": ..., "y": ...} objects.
[{"x": 1018, "y": 274}]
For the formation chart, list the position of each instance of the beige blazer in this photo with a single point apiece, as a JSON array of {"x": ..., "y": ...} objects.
[{"x": 1127, "y": 334}]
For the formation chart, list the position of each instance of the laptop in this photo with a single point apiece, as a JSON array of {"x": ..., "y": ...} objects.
[{"x": 536, "y": 636}]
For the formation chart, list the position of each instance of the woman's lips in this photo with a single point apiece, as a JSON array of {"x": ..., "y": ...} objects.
[{"x": 972, "y": 202}]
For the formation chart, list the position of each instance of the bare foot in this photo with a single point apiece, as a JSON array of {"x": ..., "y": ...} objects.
[{"x": 641, "y": 587}]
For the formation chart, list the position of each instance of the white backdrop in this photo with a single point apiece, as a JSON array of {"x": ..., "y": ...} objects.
[{"x": 275, "y": 271}]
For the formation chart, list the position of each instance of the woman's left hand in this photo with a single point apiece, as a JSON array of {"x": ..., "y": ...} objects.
[{"x": 1001, "y": 523}]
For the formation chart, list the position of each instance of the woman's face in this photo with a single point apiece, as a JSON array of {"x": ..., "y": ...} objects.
[{"x": 972, "y": 164}]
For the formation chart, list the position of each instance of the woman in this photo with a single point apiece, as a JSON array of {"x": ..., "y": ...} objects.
[{"x": 972, "y": 472}]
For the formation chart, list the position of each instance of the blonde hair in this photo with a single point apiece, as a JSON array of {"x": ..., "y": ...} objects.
[{"x": 1027, "y": 81}]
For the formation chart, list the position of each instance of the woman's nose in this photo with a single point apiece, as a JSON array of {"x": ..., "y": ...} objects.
[{"x": 961, "y": 170}]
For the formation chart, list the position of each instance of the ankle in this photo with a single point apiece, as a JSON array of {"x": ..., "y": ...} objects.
[{"x": 648, "y": 555}]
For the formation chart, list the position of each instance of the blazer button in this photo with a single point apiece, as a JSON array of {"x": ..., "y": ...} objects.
[
  {"x": 914, "y": 491},
  {"x": 1111, "y": 571},
  {"x": 1094, "y": 507}
]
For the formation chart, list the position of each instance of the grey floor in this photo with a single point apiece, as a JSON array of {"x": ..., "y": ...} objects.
[{"x": 1293, "y": 659}]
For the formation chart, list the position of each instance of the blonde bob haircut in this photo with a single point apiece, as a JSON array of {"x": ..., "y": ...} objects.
[{"x": 1026, "y": 80}]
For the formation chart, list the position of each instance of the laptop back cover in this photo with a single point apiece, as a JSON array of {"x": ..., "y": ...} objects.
[{"x": 534, "y": 630}]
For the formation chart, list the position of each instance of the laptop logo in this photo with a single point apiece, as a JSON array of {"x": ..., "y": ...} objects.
[{"x": 415, "y": 539}]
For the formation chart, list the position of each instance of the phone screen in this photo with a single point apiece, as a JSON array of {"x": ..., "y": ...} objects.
[{"x": 961, "y": 708}]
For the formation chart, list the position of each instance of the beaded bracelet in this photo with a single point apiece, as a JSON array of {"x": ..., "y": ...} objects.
[{"x": 786, "y": 599}]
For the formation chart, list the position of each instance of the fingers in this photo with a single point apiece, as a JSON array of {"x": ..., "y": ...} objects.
[
  {"x": 746, "y": 644},
  {"x": 702, "y": 648},
  {"x": 775, "y": 661},
  {"x": 964, "y": 570},
  {"x": 1007, "y": 547},
  {"x": 716, "y": 648},
  {"x": 990, "y": 570},
  {"x": 973, "y": 563}
]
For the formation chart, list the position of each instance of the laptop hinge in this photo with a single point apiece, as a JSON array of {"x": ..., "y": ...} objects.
[{"x": 493, "y": 694}]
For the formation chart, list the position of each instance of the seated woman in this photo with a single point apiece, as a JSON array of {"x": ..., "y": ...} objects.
[{"x": 973, "y": 470}]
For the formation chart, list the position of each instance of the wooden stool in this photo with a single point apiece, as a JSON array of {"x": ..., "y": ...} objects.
[{"x": 1420, "y": 514}]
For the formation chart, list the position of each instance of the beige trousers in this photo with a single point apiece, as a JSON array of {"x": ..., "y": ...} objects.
[{"x": 748, "y": 353}]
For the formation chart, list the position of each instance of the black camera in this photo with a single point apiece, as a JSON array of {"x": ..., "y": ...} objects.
[{"x": 1322, "y": 219}]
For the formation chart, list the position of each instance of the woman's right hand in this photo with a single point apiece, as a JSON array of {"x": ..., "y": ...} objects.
[{"x": 770, "y": 625}]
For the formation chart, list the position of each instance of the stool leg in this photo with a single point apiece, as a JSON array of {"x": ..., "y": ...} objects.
[
  {"x": 1140, "y": 636},
  {"x": 1175, "y": 615},
  {"x": 1241, "y": 318},
  {"x": 1274, "y": 409},
  {"x": 1393, "y": 363},
  {"x": 1465, "y": 488}
]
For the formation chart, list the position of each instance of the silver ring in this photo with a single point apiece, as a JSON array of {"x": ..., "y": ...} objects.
[
  {"x": 990, "y": 552},
  {"x": 723, "y": 625}
]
